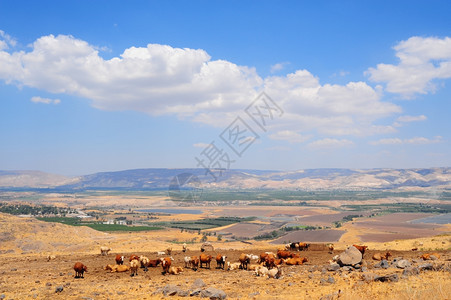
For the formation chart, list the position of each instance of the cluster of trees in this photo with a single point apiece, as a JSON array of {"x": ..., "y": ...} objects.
[{"x": 34, "y": 210}]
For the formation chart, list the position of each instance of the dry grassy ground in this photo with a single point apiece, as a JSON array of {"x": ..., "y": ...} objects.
[{"x": 31, "y": 276}]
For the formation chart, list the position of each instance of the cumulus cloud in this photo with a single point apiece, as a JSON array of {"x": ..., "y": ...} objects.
[
  {"x": 421, "y": 62},
  {"x": 289, "y": 136},
  {"x": 329, "y": 143},
  {"x": 38, "y": 99},
  {"x": 411, "y": 141},
  {"x": 278, "y": 67},
  {"x": 159, "y": 79},
  {"x": 6, "y": 40}
]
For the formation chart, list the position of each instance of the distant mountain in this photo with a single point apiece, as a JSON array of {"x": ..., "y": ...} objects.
[{"x": 309, "y": 179}]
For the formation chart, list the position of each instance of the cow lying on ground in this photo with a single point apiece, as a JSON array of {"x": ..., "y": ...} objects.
[
  {"x": 295, "y": 261},
  {"x": 117, "y": 268},
  {"x": 380, "y": 256}
]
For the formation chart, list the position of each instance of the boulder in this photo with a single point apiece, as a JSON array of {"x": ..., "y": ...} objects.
[
  {"x": 351, "y": 256},
  {"x": 411, "y": 271},
  {"x": 213, "y": 293},
  {"x": 333, "y": 267},
  {"x": 403, "y": 263},
  {"x": 171, "y": 290},
  {"x": 386, "y": 278},
  {"x": 424, "y": 267}
]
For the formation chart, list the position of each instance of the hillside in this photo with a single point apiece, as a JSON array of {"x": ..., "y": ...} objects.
[{"x": 310, "y": 179}]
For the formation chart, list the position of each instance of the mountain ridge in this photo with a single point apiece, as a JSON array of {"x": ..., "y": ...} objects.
[{"x": 308, "y": 179}]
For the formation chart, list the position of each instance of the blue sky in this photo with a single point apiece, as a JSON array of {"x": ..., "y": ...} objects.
[{"x": 90, "y": 86}]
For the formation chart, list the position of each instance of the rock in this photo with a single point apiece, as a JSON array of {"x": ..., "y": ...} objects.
[
  {"x": 333, "y": 267},
  {"x": 351, "y": 256},
  {"x": 369, "y": 276},
  {"x": 67, "y": 284},
  {"x": 396, "y": 259},
  {"x": 364, "y": 269},
  {"x": 213, "y": 293},
  {"x": 2, "y": 296},
  {"x": 323, "y": 271},
  {"x": 403, "y": 263},
  {"x": 433, "y": 257},
  {"x": 59, "y": 289},
  {"x": 425, "y": 267},
  {"x": 411, "y": 271},
  {"x": 48, "y": 284},
  {"x": 387, "y": 278},
  {"x": 171, "y": 290},
  {"x": 198, "y": 283},
  {"x": 195, "y": 292},
  {"x": 346, "y": 269},
  {"x": 183, "y": 293},
  {"x": 37, "y": 281},
  {"x": 254, "y": 294},
  {"x": 357, "y": 266},
  {"x": 13, "y": 269},
  {"x": 331, "y": 279},
  {"x": 384, "y": 264}
]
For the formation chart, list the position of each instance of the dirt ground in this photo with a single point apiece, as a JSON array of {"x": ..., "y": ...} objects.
[{"x": 33, "y": 277}]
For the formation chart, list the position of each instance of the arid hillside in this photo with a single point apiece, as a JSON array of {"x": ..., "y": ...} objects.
[{"x": 26, "y": 272}]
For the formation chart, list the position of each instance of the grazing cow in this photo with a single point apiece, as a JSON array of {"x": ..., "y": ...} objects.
[
  {"x": 79, "y": 269},
  {"x": 194, "y": 263},
  {"x": 119, "y": 259},
  {"x": 154, "y": 262},
  {"x": 380, "y": 256},
  {"x": 50, "y": 257},
  {"x": 166, "y": 264},
  {"x": 144, "y": 261},
  {"x": 187, "y": 260},
  {"x": 169, "y": 250},
  {"x": 270, "y": 261},
  {"x": 278, "y": 261},
  {"x": 245, "y": 259},
  {"x": 134, "y": 266},
  {"x": 161, "y": 253},
  {"x": 184, "y": 247},
  {"x": 295, "y": 261},
  {"x": 205, "y": 260},
  {"x": 220, "y": 261},
  {"x": 361, "y": 248},
  {"x": 294, "y": 247},
  {"x": 133, "y": 257},
  {"x": 303, "y": 246},
  {"x": 262, "y": 257},
  {"x": 233, "y": 266},
  {"x": 331, "y": 248},
  {"x": 104, "y": 250},
  {"x": 285, "y": 254}
]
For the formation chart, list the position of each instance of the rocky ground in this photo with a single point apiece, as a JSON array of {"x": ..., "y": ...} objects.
[{"x": 404, "y": 277}]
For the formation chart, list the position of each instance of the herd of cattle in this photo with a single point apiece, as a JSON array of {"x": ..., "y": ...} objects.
[{"x": 265, "y": 264}]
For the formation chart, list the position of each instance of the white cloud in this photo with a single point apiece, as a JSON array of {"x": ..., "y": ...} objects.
[
  {"x": 411, "y": 141},
  {"x": 278, "y": 67},
  {"x": 38, "y": 99},
  {"x": 289, "y": 136},
  {"x": 6, "y": 40},
  {"x": 422, "y": 60},
  {"x": 329, "y": 143},
  {"x": 201, "y": 145},
  {"x": 406, "y": 119},
  {"x": 159, "y": 79}
]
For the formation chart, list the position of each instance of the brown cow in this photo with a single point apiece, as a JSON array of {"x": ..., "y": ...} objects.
[
  {"x": 194, "y": 262},
  {"x": 119, "y": 259},
  {"x": 154, "y": 262},
  {"x": 303, "y": 246},
  {"x": 361, "y": 248},
  {"x": 133, "y": 256},
  {"x": 380, "y": 256},
  {"x": 263, "y": 257},
  {"x": 427, "y": 256},
  {"x": 79, "y": 269},
  {"x": 286, "y": 254},
  {"x": 220, "y": 261},
  {"x": 270, "y": 261},
  {"x": 245, "y": 259},
  {"x": 296, "y": 261},
  {"x": 166, "y": 264},
  {"x": 205, "y": 259}
]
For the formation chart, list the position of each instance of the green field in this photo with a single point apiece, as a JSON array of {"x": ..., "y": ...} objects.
[{"x": 98, "y": 226}]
